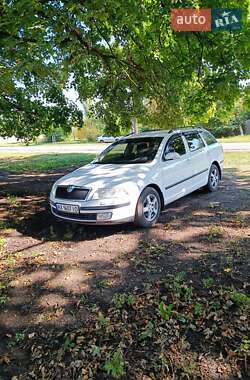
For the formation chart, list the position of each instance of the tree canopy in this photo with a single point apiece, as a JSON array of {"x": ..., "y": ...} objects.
[{"x": 121, "y": 54}]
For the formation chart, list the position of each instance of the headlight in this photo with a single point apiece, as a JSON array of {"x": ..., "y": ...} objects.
[{"x": 110, "y": 193}]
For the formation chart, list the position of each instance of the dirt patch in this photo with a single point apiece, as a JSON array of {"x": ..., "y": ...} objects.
[{"x": 56, "y": 279}]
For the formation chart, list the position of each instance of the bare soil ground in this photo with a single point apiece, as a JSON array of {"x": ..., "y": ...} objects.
[{"x": 81, "y": 302}]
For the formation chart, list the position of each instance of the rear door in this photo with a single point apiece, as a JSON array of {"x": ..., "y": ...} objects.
[
  {"x": 214, "y": 149},
  {"x": 199, "y": 159},
  {"x": 175, "y": 168}
]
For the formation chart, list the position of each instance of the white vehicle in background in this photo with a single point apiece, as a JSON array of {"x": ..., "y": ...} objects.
[
  {"x": 107, "y": 139},
  {"x": 133, "y": 179}
]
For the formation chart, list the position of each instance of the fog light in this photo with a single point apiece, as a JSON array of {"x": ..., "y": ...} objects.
[{"x": 104, "y": 215}]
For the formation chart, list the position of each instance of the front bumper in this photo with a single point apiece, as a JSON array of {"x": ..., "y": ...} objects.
[{"x": 119, "y": 213}]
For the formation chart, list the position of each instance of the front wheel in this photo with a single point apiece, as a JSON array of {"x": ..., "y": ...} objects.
[
  {"x": 148, "y": 208},
  {"x": 213, "y": 178}
]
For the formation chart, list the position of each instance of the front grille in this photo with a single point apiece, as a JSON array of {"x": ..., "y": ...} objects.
[
  {"x": 77, "y": 193},
  {"x": 88, "y": 217}
]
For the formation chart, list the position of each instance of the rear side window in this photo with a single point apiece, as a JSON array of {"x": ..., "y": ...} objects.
[
  {"x": 194, "y": 141},
  {"x": 210, "y": 139}
]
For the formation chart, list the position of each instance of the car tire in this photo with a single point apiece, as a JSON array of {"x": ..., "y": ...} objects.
[
  {"x": 213, "y": 178},
  {"x": 148, "y": 208}
]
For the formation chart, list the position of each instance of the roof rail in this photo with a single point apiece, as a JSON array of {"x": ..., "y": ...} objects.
[
  {"x": 154, "y": 130},
  {"x": 131, "y": 133}
]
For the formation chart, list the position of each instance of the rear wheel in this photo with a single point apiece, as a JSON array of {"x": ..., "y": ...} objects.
[
  {"x": 213, "y": 178},
  {"x": 148, "y": 208}
]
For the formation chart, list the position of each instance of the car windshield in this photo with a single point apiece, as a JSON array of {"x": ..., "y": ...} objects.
[{"x": 131, "y": 151}]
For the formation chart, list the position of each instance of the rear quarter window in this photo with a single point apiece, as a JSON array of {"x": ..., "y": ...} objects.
[{"x": 208, "y": 137}]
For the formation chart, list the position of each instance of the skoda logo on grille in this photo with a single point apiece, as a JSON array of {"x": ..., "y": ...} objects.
[{"x": 70, "y": 189}]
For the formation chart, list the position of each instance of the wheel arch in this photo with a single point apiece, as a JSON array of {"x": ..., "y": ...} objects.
[
  {"x": 216, "y": 163},
  {"x": 157, "y": 188}
]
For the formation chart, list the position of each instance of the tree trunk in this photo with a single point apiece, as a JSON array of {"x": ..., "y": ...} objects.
[{"x": 134, "y": 126}]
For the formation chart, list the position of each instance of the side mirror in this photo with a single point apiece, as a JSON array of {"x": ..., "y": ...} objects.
[{"x": 170, "y": 156}]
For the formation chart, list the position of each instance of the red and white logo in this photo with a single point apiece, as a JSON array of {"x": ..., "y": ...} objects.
[{"x": 191, "y": 20}]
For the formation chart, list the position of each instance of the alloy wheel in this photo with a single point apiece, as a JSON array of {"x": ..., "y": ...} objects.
[
  {"x": 150, "y": 207},
  {"x": 214, "y": 177}
]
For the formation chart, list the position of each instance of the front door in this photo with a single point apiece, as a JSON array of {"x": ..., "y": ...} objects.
[{"x": 176, "y": 169}]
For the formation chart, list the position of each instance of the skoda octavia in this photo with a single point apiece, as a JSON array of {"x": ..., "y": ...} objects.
[{"x": 134, "y": 178}]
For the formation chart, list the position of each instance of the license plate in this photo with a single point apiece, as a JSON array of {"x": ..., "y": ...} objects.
[{"x": 72, "y": 209}]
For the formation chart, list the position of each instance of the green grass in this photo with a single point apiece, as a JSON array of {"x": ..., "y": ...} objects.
[
  {"x": 237, "y": 160},
  {"x": 24, "y": 163},
  {"x": 245, "y": 138},
  {"x": 20, "y": 163}
]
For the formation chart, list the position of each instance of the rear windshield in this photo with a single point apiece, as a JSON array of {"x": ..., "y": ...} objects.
[{"x": 131, "y": 151}]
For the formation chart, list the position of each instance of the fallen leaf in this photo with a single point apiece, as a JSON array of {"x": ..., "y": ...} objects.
[{"x": 5, "y": 360}]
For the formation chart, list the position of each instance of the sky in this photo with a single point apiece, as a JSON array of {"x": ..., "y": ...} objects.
[{"x": 73, "y": 96}]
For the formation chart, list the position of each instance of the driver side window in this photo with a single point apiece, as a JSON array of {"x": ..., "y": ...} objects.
[{"x": 176, "y": 146}]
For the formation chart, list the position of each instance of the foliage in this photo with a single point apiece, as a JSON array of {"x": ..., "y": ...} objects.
[
  {"x": 91, "y": 130},
  {"x": 103, "y": 321},
  {"x": 32, "y": 99},
  {"x": 123, "y": 55},
  {"x": 115, "y": 365},
  {"x": 215, "y": 232},
  {"x": 165, "y": 311},
  {"x": 220, "y": 129},
  {"x": 245, "y": 346},
  {"x": 27, "y": 112},
  {"x": 198, "y": 309},
  {"x": 148, "y": 331},
  {"x": 19, "y": 336},
  {"x": 3, "y": 289},
  {"x": 121, "y": 299},
  {"x": 208, "y": 282},
  {"x": 2, "y": 244},
  {"x": 240, "y": 299},
  {"x": 55, "y": 135},
  {"x": 154, "y": 347},
  {"x": 229, "y": 122}
]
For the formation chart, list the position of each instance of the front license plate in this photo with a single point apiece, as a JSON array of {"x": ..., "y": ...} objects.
[{"x": 72, "y": 209}]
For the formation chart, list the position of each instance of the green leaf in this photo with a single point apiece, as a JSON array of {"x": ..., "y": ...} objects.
[{"x": 165, "y": 311}]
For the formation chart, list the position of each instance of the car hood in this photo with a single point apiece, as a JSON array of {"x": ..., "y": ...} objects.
[{"x": 108, "y": 175}]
